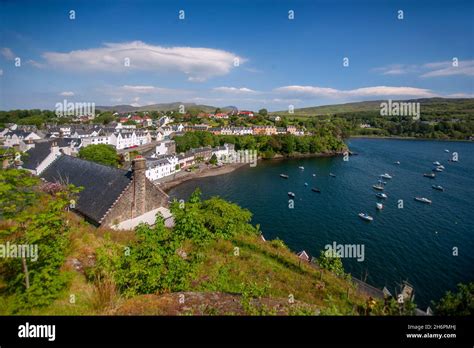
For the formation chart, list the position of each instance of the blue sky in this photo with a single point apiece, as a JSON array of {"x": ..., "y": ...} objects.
[{"x": 244, "y": 53}]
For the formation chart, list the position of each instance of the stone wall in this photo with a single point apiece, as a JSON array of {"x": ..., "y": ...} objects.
[{"x": 138, "y": 198}]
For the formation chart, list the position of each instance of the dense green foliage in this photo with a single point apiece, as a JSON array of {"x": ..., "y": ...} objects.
[
  {"x": 151, "y": 264},
  {"x": 458, "y": 303},
  {"x": 101, "y": 153},
  {"x": 37, "y": 221},
  {"x": 157, "y": 260},
  {"x": 286, "y": 144},
  {"x": 331, "y": 262}
]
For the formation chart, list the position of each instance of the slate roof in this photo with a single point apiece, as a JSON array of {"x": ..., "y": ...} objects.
[
  {"x": 102, "y": 184},
  {"x": 36, "y": 155}
]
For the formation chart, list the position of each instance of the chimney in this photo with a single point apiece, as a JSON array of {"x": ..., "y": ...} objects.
[{"x": 139, "y": 186}]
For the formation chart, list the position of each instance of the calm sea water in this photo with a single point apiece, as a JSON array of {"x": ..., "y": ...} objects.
[{"x": 414, "y": 243}]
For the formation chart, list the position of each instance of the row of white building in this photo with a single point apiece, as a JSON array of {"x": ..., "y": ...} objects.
[{"x": 162, "y": 163}]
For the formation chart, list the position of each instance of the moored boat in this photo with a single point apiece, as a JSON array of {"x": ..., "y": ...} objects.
[
  {"x": 301, "y": 167},
  {"x": 378, "y": 187},
  {"x": 379, "y": 206},
  {"x": 437, "y": 169},
  {"x": 366, "y": 217},
  {"x": 397, "y": 162},
  {"x": 436, "y": 163},
  {"x": 284, "y": 176},
  {"x": 315, "y": 189},
  {"x": 423, "y": 200},
  {"x": 381, "y": 195},
  {"x": 291, "y": 194},
  {"x": 431, "y": 175},
  {"x": 386, "y": 176},
  {"x": 438, "y": 187},
  {"x": 333, "y": 175}
]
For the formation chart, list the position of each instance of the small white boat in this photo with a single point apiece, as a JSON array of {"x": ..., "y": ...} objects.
[
  {"x": 386, "y": 176},
  {"x": 381, "y": 195},
  {"x": 366, "y": 217},
  {"x": 379, "y": 206},
  {"x": 437, "y": 169},
  {"x": 314, "y": 174},
  {"x": 446, "y": 150},
  {"x": 305, "y": 184},
  {"x": 291, "y": 194},
  {"x": 301, "y": 167},
  {"x": 438, "y": 187},
  {"x": 436, "y": 163},
  {"x": 397, "y": 162},
  {"x": 441, "y": 166},
  {"x": 378, "y": 187},
  {"x": 423, "y": 200},
  {"x": 333, "y": 175}
]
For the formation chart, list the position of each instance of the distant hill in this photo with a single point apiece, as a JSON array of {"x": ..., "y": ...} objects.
[
  {"x": 163, "y": 107},
  {"x": 462, "y": 105}
]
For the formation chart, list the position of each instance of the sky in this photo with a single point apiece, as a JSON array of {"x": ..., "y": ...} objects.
[{"x": 251, "y": 54}]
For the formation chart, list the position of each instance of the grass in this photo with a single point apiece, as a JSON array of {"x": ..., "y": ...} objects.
[{"x": 275, "y": 269}]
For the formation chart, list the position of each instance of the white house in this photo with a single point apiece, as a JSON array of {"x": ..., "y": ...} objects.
[
  {"x": 16, "y": 137},
  {"x": 159, "y": 168},
  {"x": 167, "y": 147},
  {"x": 101, "y": 139},
  {"x": 223, "y": 153},
  {"x": 242, "y": 131},
  {"x": 123, "y": 140},
  {"x": 81, "y": 133}
]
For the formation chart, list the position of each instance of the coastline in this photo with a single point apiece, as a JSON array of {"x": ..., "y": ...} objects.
[
  {"x": 202, "y": 173},
  {"x": 385, "y": 137}
]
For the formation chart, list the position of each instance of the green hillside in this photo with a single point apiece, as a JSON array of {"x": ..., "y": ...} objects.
[{"x": 428, "y": 106}]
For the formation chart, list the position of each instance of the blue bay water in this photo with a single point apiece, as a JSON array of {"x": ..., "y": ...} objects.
[{"x": 414, "y": 243}]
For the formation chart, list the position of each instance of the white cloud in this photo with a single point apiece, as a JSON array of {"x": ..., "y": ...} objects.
[
  {"x": 439, "y": 69},
  {"x": 67, "y": 94},
  {"x": 434, "y": 69},
  {"x": 396, "y": 69},
  {"x": 35, "y": 63},
  {"x": 7, "y": 53},
  {"x": 197, "y": 63},
  {"x": 376, "y": 91},
  {"x": 234, "y": 90}
]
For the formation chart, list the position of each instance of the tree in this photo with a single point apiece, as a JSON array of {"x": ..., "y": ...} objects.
[
  {"x": 213, "y": 159},
  {"x": 458, "y": 303},
  {"x": 17, "y": 192},
  {"x": 37, "y": 221},
  {"x": 263, "y": 112},
  {"x": 328, "y": 260},
  {"x": 101, "y": 153}
]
